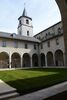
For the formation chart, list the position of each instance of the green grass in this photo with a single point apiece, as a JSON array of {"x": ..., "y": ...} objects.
[{"x": 30, "y": 80}]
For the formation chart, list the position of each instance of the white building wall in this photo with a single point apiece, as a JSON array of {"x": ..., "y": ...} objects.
[
  {"x": 53, "y": 46},
  {"x": 24, "y": 27},
  {"x": 10, "y": 46}
]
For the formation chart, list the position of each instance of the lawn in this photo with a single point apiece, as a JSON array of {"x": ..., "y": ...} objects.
[{"x": 29, "y": 80}]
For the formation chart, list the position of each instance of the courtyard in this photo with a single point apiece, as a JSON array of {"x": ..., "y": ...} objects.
[{"x": 29, "y": 80}]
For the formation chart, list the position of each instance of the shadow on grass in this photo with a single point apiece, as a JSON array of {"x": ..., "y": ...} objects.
[
  {"x": 46, "y": 69},
  {"x": 24, "y": 86}
]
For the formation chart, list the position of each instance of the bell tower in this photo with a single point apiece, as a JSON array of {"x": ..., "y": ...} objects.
[
  {"x": 25, "y": 27},
  {"x": 63, "y": 9}
]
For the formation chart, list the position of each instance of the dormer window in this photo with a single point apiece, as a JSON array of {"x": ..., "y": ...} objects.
[{"x": 27, "y": 21}]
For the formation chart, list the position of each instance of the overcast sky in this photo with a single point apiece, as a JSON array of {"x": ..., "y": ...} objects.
[{"x": 44, "y": 13}]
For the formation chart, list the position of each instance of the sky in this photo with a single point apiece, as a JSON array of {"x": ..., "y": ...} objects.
[{"x": 44, "y": 13}]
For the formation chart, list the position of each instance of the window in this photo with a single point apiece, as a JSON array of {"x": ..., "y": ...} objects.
[
  {"x": 27, "y": 33},
  {"x": 20, "y": 22},
  {"x": 57, "y": 41},
  {"x": 41, "y": 45},
  {"x": 35, "y": 46},
  {"x": 27, "y": 21},
  {"x": 3, "y": 43},
  {"x": 15, "y": 44},
  {"x": 48, "y": 33},
  {"x": 59, "y": 30},
  {"x": 26, "y": 46},
  {"x": 48, "y": 43}
]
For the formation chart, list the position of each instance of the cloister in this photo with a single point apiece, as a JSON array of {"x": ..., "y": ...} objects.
[{"x": 17, "y": 60}]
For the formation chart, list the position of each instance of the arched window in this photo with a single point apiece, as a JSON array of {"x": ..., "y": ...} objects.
[
  {"x": 19, "y": 22},
  {"x": 27, "y": 33},
  {"x": 27, "y": 21}
]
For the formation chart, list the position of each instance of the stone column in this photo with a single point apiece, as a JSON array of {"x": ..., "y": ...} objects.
[
  {"x": 54, "y": 59},
  {"x": 46, "y": 60},
  {"x": 10, "y": 61},
  {"x": 21, "y": 61},
  {"x": 64, "y": 59},
  {"x": 39, "y": 61},
  {"x": 31, "y": 61}
]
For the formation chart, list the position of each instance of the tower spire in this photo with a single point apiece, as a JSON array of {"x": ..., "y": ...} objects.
[{"x": 24, "y": 11}]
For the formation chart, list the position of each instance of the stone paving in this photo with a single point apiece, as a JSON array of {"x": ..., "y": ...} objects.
[
  {"x": 5, "y": 88},
  {"x": 7, "y": 91}
]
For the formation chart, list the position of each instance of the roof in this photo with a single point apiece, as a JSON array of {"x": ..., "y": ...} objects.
[
  {"x": 47, "y": 29},
  {"x": 18, "y": 37},
  {"x": 24, "y": 12},
  {"x": 52, "y": 37},
  {"x": 24, "y": 15}
]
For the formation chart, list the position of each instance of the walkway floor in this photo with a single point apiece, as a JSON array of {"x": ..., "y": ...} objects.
[
  {"x": 7, "y": 91},
  {"x": 44, "y": 93},
  {"x": 4, "y": 87}
]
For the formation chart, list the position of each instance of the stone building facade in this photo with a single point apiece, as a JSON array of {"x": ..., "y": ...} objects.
[
  {"x": 22, "y": 50},
  {"x": 52, "y": 50}
]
